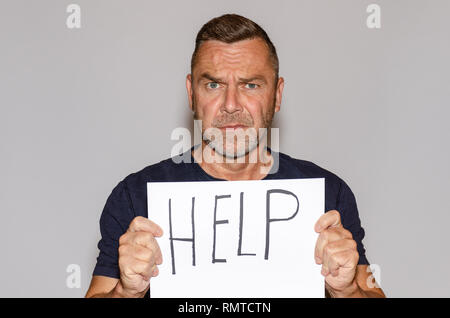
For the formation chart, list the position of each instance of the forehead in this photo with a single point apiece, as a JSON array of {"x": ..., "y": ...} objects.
[{"x": 243, "y": 57}]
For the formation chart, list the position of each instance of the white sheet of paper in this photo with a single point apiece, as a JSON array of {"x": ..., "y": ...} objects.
[{"x": 283, "y": 264}]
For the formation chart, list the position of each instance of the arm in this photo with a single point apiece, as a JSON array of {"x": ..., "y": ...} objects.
[
  {"x": 102, "y": 286},
  {"x": 108, "y": 287}
]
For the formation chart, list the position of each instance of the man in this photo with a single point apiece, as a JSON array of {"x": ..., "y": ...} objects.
[{"x": 234, "y": 84}]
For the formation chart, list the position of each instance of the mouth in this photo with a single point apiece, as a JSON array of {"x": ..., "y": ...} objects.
[{"x": 233, "y": 126}]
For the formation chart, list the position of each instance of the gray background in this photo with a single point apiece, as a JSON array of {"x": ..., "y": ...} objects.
[{"x": 81, "y": 109}]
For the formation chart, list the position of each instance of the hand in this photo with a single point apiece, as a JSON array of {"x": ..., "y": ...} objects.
[
  {"x": 139, "y": 255},
  {"x": 336, "y": 251}
]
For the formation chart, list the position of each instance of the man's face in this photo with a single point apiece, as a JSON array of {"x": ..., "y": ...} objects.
[{"x": 233, "y": 86}]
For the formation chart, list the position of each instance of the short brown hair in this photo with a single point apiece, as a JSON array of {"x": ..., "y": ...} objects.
[{"x": 231, "y": 28}]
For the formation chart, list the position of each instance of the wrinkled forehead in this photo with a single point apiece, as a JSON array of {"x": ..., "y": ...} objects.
[{"x": 243, "y": 58}]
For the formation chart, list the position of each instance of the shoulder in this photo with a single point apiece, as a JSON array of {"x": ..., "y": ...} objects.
[
  {"x": 133, "y": 188},
  {"x": 165, "y": 170},
  {"x": 338, "y": 196},
  {"x": 309, "y": 169},
  {"x": 336, "y": 189}
]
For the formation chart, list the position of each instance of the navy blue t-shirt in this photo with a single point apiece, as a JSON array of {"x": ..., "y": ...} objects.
[{"x": 129, "y": 199}]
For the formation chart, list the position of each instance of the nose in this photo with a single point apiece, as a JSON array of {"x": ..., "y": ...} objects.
[{"x": 231, "y": 103}]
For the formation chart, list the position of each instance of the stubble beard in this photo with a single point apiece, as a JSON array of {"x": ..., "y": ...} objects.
[{"x": 228, "y": 146}]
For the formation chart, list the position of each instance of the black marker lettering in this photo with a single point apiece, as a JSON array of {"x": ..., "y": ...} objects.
[
  {"x": 269, "y": 220},
  {"x": 171, "y": 238},
  {"x": 214, "y": 259},
  {"x": 241, "y": 218}
]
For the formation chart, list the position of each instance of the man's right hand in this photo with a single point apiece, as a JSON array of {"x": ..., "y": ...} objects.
[{"x": 139, "y": 255}]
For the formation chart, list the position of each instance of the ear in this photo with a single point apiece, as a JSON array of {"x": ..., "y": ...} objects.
[
  {"x": 279, "y": 94},
  {"x": 189, "y": 90}
]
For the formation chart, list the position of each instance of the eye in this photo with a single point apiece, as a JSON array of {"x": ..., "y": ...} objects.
[
  {"x": 212, "y": 85},
  {"x": 251, "y": 85}
]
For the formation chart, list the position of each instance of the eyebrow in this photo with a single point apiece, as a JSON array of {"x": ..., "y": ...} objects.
[
  {"x": 208, "y": 76},
  {"x": 253, "y": 78}
]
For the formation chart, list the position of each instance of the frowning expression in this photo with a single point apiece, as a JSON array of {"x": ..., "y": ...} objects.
[{"x": 234, "y": 85}]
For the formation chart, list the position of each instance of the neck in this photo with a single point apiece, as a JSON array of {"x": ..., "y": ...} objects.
[{"x": 234, "y": 169}]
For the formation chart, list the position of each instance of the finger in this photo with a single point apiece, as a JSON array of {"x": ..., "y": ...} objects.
[
  {"x": 156, "y": 251},
  {"x": 343, "y": 259},
  {"x": 328, "y": 236},
  {"x": 155, "y": 272},
  {"x": 143, "y": 238},
  {"x": 131, "y": 267},
  {"x": 331, "y": 218},
  {"x": 158, "y": 254},
  {"x": 141, "y": 224},
  {"x": 142, "y": 268},
  {"x": 143, "y": 253},
  {"x": 334, "y": 248},
  {"x": 132, "y": 238},
  {"x": 147, "y": 240}
]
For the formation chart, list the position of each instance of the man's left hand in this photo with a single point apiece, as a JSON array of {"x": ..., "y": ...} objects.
[{"x": 336, "y": 251}]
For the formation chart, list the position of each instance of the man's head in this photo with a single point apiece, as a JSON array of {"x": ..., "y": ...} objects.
[{"x": 234, "y": 79}]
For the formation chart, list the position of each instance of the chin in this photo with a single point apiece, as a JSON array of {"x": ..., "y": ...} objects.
[{"x": 232, "y": 151}]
